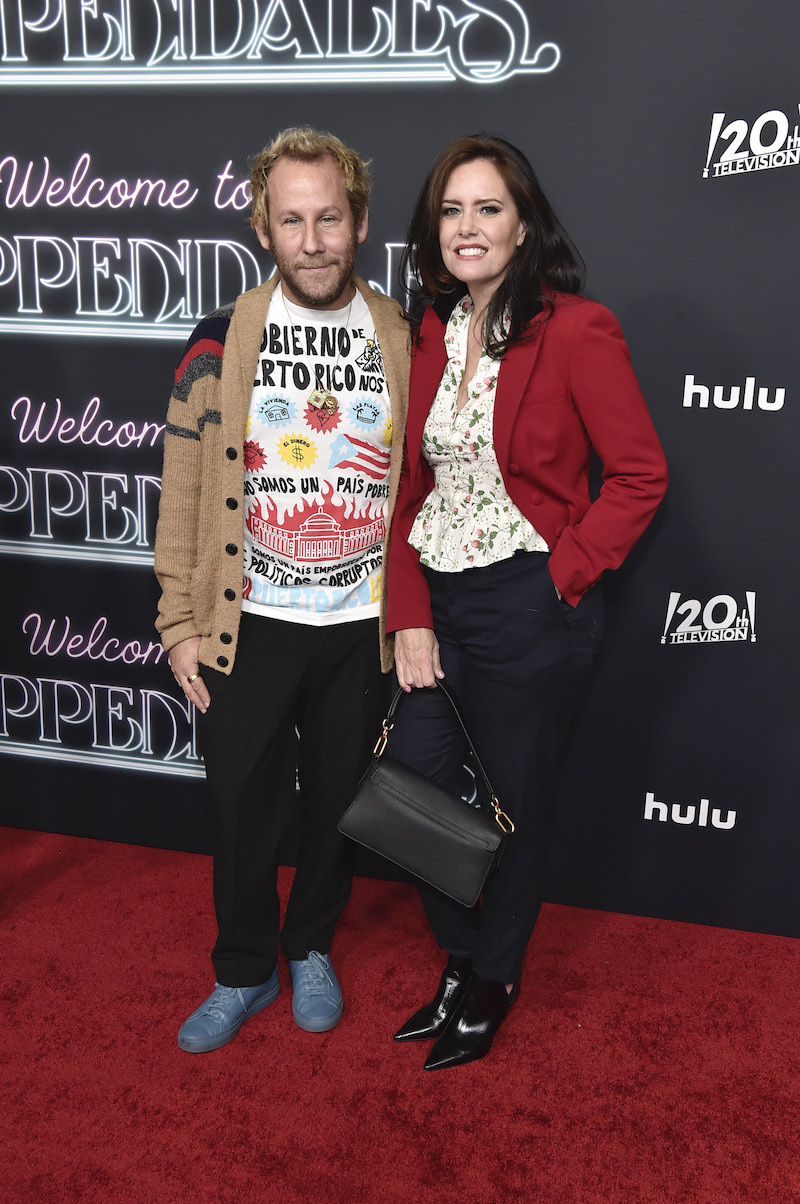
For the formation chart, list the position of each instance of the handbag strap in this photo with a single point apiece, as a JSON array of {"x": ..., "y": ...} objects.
[{"x": 505, "y": 823}]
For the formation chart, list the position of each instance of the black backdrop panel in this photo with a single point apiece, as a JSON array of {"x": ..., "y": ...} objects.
[{"x": 668, "y": 140}]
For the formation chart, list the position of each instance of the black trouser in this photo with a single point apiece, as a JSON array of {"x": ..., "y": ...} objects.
[
  {"x": 517, "y": 660},
  {"x": 302, "y": 697}
]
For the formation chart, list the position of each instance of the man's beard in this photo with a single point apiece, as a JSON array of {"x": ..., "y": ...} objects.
[{"x": 307, "y": 288}]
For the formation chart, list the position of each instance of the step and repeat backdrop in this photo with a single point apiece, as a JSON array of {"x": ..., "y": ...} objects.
[{"x": 668, "y": 137}]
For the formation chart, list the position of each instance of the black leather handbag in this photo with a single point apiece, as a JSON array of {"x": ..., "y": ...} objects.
[{"x": 415, "y": 824}]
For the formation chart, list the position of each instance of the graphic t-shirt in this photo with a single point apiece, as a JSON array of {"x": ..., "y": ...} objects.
[{"x": 316, "y": 456}]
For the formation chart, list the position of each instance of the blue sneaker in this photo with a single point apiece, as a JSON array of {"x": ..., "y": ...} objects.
[
  {"x": 317, "y": 1005},
  {"x": 218, "y": 1020}
]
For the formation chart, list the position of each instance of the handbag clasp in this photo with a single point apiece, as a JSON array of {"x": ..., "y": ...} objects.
[
  {"x": 380, "y": 747},
  {"x": 504, "y": 822}
]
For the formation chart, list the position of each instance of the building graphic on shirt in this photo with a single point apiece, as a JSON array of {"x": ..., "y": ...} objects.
[{"x": 324, "y": 534}]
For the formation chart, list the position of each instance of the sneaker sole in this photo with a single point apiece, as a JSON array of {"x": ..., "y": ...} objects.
[
  {"x": 318, "y": 1026},
  {"x": 207, "y": 1044}
]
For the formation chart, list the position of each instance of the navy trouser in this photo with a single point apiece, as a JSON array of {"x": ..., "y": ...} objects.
[
  {"x": 298, "y": 697},
  {"x": 517, "y": 660}
]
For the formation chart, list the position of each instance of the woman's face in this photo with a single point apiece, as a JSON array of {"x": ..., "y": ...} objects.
[{"x": 479, "y": 227}]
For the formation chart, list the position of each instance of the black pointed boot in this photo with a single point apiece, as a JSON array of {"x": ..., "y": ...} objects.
[
  {"x": 474, "y": 1022},
  {"x": 430, "y": 1020}
]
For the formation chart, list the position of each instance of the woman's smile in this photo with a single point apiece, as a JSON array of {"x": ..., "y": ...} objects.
[{"x": 479, "y": 227}]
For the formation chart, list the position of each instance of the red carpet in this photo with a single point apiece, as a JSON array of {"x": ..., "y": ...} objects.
[{"x": 646, "y": 1061}]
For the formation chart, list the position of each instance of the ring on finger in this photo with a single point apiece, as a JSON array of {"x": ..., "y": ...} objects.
[{"x": 192, "y": 678}]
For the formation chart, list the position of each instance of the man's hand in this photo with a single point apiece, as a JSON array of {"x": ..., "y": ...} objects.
[
  {"x": 416, "y": 658},
  {"x": 186, "y": 671}
]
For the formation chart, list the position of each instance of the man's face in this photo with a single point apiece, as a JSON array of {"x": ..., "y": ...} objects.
[{"x": 311, "y": 233}]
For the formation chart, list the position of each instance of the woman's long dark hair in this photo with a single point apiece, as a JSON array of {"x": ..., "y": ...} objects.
[{"x": 546, "y": 257}]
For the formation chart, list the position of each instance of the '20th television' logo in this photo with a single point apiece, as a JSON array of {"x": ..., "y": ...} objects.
[
  {"x": 769, "y": 141},
  {"x": 720, "y": 620}
]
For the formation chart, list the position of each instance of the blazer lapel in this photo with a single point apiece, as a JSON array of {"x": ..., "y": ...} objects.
[
  {"x": 427, "y": 365},
  {"x": 513, "y": 381}
]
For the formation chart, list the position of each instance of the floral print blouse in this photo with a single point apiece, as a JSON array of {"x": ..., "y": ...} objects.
[{"x": 467, "y": 520}]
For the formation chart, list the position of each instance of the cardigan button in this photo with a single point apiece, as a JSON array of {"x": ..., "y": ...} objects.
[
  {"x": 222, "y": 661},
  {"x": 230, "y": 595},
  {"x": 559, "y": 532},
  {"x": 514, "y": 470},
  {"x": 231, "y": 549},
  {"x": 225, "y": 638},
  {"x": 231, "y": 453},
  {"x": 537, "y": 499},
  {"x": 231, "y": 503}
]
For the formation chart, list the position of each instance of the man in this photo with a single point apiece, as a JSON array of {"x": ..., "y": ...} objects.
[{"x": 281, "y": 464}]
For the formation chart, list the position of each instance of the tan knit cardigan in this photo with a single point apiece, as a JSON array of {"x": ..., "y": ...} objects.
[{"x": 198, "y": 549}]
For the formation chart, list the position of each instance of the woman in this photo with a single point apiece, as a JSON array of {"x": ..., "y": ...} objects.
[{"x": 497, "y": 548}]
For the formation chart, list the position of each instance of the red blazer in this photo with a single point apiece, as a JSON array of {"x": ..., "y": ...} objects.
[{"x": 567, "y": 389}]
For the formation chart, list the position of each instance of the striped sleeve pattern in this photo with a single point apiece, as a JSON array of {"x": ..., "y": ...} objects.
[{"x": 202, "y": 355}]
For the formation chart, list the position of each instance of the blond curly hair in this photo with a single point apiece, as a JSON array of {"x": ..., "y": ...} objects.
[{"x": 305, "y": 144}]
